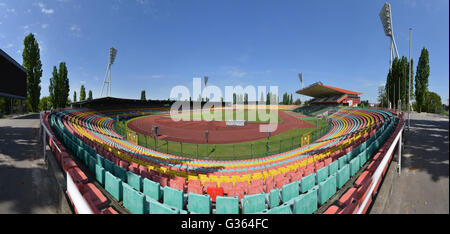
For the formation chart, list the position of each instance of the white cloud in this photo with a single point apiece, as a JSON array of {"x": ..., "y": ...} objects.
[
  {"x": 75, "y": 28},
  {"x": 83, "y": 82},
  {"x": 9, "y": 45},
  {"x": 44, "y": 10},
  {"x": 11, "y": 10},
  {"x": 44, "y": 26},
  {"x": 2, "y": 4}
]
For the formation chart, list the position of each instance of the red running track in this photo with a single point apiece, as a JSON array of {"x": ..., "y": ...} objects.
[{"x": 194, "y": 131}]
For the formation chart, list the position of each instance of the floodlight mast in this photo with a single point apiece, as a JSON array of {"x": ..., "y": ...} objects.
[
  {"x": 107, "y": 80},
  {"x": 386, "y": 20}
]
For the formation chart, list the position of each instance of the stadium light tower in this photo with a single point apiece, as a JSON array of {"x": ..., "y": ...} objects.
[
  {"x": 112, "y": 57},
  {"x": 386, "y": 20}
]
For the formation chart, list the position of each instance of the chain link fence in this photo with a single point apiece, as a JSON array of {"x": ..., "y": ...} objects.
[{"x": 236, "y": 151}]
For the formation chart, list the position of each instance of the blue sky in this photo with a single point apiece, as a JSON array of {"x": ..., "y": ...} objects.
[{"x": 166, "y": 43}]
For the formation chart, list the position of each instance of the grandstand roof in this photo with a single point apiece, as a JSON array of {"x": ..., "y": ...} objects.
[{"x": 320, "y": 90}]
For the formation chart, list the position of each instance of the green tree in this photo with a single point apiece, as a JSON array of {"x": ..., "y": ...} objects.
[
  {"x": 82, "y": 93},
  {"x": 64, "y": 84},
  {"x": 74, "y": 96},
  {"x": 45, "y": 103},
  {"x": 297, "y": 102},
  {"x": 432, "y": 103},
  {"x": 421, "y": 79},
  {"x": 89, "y": 95},
  {"x": 143, "y": 95},
  {"x": 53, "y": 89},
  {"x": 32, "y": 64}
]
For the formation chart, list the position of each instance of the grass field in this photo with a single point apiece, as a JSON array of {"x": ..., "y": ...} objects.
[
  {"x": 225, "y": 115},
  {"x": 283, "y": 142}
]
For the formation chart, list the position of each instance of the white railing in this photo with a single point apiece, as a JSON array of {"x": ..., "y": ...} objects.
[
  {"x": 80, "y": 204},
  {"x": 377, "y": 175}
]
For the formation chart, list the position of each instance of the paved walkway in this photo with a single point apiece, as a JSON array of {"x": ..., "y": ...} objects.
[
  {"x": 25, "y": 186},
  {"x": 423, "y": 184}
]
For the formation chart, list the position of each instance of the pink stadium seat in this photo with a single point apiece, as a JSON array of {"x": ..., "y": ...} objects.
[
  {"x": 237, "y": 191},
  {"x": 197, "y": 189},
  {"x": 255, "y": 189},
  {"x": 226, "y": 186},
  {"x": 209, "y": 184}
]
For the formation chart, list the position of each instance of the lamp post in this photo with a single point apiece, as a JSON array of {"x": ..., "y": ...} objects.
[{"x": 409, "y": 78}]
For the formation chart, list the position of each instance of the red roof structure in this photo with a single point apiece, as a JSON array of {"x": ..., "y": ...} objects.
[{"x": 325, "y": 94}]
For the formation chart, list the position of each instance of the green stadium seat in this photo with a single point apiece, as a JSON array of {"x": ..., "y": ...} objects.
[
  {"x": 289, "y": 191},
  {"x": 321, "y": 174},
  {"x": 342, "y": 161},
  {"x": 354, "y": 166},
  {"x": 333, "y": 167},
  {"x": 308, "y": 182},
  {"x": 113, "y": 185},
  {"x": 173, "y": 197},
  {"x": 343, "y": 175},
  {"x": 227, "y": 205},
  {"x": 134, "y": 181},
  {"x": 274, "y": 198},
  {"x": 132, "y": 199},
  {"x": 282, "y": 209},
  {"x": 100, "y": 160},
  {"x": 120, "y": 173},
  {"x": 254, "y": 203},
  {"x": 92, "y": 163},
  {"x": 155, "y": 207},
  {"x": 199, "y": 204},
  {"x": 109, "y": 166},
  {"x": 152, "y": 189},
  {"x": 100, "y": 174},
  {"x": 327, "y": 189},
  {"x": 306, "y": 203}
]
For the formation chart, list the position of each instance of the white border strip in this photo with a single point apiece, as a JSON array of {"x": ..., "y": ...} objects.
[
  {"x": 80, "y": 204},
  {"x": 379, "y": 171}
]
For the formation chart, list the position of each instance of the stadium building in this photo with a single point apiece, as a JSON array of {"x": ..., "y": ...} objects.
[{"x": 328, "y": 95}]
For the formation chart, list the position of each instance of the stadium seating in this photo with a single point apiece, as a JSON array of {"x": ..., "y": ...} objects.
[{"x": 148, "y": 181}]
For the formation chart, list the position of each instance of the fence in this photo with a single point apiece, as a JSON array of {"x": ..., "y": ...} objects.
[{"x": 236, "y": 151}]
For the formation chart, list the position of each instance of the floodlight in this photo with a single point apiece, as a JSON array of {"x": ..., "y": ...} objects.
[
  {"x": 112, "y": 55},
  {"x": 386, "y": 20}
]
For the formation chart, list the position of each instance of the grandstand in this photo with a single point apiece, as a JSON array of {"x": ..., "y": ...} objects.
[
  {"x": 303, "y": 180},
  {"x": 328, "y": 95},
  {"x": 327, "y": 99}
]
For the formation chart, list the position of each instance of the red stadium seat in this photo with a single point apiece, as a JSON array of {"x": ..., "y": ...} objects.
[{"x": 213, "y": 192}]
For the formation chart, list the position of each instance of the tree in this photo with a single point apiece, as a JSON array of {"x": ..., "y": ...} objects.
[
  {"x": 74, "y": 96},
  {"x": 432, "y": 103},
  {"x": 33, "y": 66},
  {"x": 143, "y": 95},
  {"x": 45, "y": 103},
  {"x": 90, "y": 95},
  {"x": 53, "y": 89},
  {"x": 82, "y": 93},
  {"x": 261, "y": 99},
  {"x": 382, "y": 98},
  {"x": 64, "y": 82},
  {"x": 291, "y": 100},
  {"x": 297, "y": 102},
  {"x": 421, "y": 79}
]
